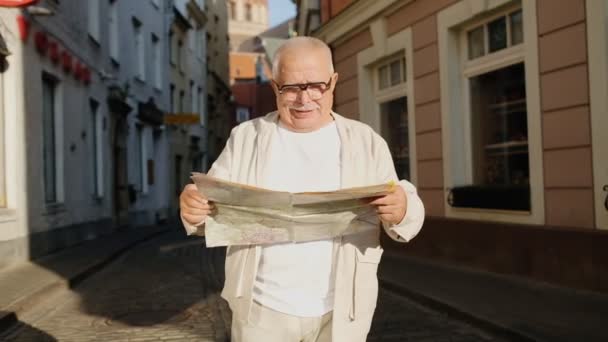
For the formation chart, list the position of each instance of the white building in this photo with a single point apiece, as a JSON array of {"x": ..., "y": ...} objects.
[
  {"x": 187, "y": 68},
  {"x": 81, "y": 152}
]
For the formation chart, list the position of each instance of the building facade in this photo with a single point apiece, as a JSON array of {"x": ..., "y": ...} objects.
[
  {"x": 246, "y": 18},
  {"x": 496, "y": 111},
  {"x": 220, "y": 106},
  {"x": 84, "y": 148},
  {"x": 186, "y": 121}
]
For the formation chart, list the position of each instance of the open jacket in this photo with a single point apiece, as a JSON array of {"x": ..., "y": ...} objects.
[{"x": 365, "y": 160}]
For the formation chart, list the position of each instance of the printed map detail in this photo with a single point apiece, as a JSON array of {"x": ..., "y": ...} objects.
[{"x": 248, "y": 215}]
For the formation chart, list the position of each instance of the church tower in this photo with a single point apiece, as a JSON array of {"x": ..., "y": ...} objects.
[{"x": 246, "y": 19}]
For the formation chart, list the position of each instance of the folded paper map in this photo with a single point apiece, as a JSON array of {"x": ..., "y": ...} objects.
[{"x": 249, "y": 215}]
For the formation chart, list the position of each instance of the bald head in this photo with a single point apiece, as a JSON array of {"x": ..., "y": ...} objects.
[{"x": 298, "y": 45}]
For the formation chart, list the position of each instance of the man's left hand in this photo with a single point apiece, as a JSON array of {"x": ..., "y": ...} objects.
[{"x": 391, "y": 208}]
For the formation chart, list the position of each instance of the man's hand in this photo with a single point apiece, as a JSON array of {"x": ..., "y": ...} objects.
[
  {"x": 391, "y": 208},
  {"x": 193, "y": 206}
]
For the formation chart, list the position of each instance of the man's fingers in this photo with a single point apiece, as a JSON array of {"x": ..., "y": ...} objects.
[
  {"x": 195, "y": 211},
  {"x": 390, "y": 218},
  {"x": 195, "y": 203},
  {"x": 388, "y": 209},
  {"x": 193, "y": 219}
]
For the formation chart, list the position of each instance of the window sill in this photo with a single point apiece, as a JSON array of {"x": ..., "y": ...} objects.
[
  {"x": 8, "y": 215},
  {"x": 140, "y": 80}
]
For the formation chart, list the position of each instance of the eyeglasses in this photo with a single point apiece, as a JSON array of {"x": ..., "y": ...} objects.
[{"x": 315, "y": 90}]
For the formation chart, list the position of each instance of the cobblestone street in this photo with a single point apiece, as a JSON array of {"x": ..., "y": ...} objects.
[{"x": 168, "y": 290}]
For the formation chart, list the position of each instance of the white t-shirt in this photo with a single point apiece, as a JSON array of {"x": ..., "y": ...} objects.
[{"x": 297, "y": 278}]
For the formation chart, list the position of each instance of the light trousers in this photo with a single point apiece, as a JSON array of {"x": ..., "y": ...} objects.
[{"x": 267, "y": 325}]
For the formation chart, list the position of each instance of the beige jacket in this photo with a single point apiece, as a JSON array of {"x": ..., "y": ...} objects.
[{"x": 365, "y": 160}]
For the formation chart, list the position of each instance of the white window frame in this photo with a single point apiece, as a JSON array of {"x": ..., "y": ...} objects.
[
  {"x": 156, "y": 61},
  {"x": 455, "y": 107},
  {"x": 193, "y": 98},
  {"x": 199, "y": 43},
  {"x": 597, "y": 45},
  {"x": 143, "y": 158},
  {"x": 93, "y": 22},
  {"x": 97, "y": 148},
  {"x": 191, "y": 36},
  {"x": 140, "y": 49},
  {"x": 180, "y": 55},
  {"x": 384, "y": 48},
  {"x": 114, "y": 31},
  {"x": 59, "y": 133},
  {"x": 201, "y": 106}
]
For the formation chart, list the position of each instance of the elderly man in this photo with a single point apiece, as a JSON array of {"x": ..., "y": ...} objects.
[{"x": 310, "y": 291}]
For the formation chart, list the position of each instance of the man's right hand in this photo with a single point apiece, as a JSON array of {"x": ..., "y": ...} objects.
[{"x": 193, "y": 206}]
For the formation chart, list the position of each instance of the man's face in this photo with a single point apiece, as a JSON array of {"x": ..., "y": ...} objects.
[{"x": 304, "y": 110}]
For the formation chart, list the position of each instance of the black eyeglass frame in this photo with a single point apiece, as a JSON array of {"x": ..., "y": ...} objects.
[{"x": 304, "y": 86}]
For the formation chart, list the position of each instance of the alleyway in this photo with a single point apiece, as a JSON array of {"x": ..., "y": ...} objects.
[{"x": 168, "y": 290}]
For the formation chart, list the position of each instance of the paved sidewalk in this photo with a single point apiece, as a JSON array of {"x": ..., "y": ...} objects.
[
  {"x": 25, "y": 285},
  {"x": 515, "y": 307}
]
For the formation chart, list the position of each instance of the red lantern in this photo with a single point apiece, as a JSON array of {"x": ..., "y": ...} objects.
[
  {"x": 24, "y": 27},
  {"x": 66, "y": 61},
  {"x": 54, "y": 52},
  {"x": 42, "y": 42}
]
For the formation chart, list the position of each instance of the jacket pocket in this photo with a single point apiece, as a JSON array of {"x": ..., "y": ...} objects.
[{"x": 365, "y": 282}]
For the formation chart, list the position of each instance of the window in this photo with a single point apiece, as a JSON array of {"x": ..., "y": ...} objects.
[
  {"x": 96, "y": 150},
  {"x": 143, "y": 164},
  {"x": 156, "y": 62},
  {"x": 495, "y": 35},
  {"x": 498, "y": 119},
  {"x": 199, "y": 43},
  {"x": 490, "y": 86},
  {"x": 232, "y": 10},
  {"x": 242, "y": 114},
  {"x": 93, "y": 19},
  {"x": 182, "y": 94},
  {"x": 139, "y": 50},
  {"x": 172, "y": 98},
  {"x": 391, "y": 73},
  {"x": 114, "y": 31},
  {"x": 394, "y": 129},
  {"x": 201, "y": 106},
  {"x": 193, "y": 99},
  {"x": 248, "y": 12},
  {"x": 191, "y": 36},
  {"x": 180, "y": 56},
  {"x": 49, "y": 98},
  {"x": 172, "y": 49}
]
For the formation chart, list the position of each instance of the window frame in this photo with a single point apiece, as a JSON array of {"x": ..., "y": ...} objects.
[
  {"x": 93, "y": 20},
  {"x": 140, "y": 49},
  {"x": 597, "y": 44},
  {"x": 97, "y": 148},
  {"x": 57, "y": 105},
  {"x": 385, "y": 48},
  {"x": 456, "y": 109},
  {"x": 156, "y": 50},
  {"x": 114, "y": 31}
]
